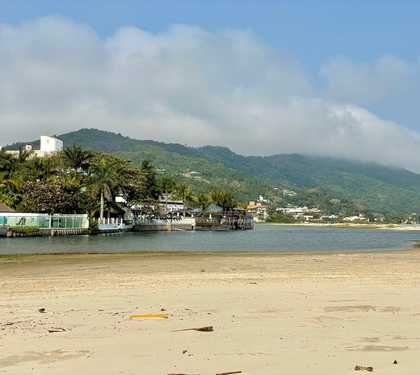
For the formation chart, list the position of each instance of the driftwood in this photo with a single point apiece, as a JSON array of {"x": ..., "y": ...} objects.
[
  {"x": 363, "y": 368},
  {"x": 150, "y": 316},
  {"x": 56, "y": 330},
  {"x": 220, "y": 373},
  {"x": 201, "y": 329}
]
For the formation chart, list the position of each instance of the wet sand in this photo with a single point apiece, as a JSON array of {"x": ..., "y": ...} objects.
[{"x": 272, "y": 313}]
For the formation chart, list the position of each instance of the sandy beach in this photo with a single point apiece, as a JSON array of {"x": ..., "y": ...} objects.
[
  {"x": 272, "y": 314},
  {"x": 397, "y": 227}
]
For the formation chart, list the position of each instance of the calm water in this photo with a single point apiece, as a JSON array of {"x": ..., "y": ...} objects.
[{"x": 263, "y": 238}]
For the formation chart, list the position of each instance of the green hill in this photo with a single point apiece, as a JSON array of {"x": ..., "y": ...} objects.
[{"x": 318, "y": 180}]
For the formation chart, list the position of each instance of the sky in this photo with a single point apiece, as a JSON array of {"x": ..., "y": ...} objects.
[{"x": 332, "y": 78}]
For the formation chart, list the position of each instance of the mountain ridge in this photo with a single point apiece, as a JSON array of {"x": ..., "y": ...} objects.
[{"x": 369, "y": 186}]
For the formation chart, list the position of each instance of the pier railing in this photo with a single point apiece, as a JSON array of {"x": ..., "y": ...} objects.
[
  {"x": 180, "y": 221},
  {"x": 45, "y": 221}
]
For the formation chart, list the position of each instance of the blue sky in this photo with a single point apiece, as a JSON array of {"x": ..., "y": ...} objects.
[{"x": 339, "y": 78}]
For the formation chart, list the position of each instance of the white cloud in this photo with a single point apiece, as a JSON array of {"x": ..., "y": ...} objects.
[
  {"x": 191, "y": 86},
  {"x": 372, "y": 82}
]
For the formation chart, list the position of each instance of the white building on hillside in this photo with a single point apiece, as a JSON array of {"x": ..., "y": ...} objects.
[{"x": 48, "y": 146}]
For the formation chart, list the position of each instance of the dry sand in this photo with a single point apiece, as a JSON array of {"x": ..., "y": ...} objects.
[{"x": 272, "y": 314}]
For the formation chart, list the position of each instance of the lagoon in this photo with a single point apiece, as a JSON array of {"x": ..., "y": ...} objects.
[{"x": 264, "y": 238}]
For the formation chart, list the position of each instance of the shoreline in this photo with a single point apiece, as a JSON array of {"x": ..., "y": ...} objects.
[
  {"x": 398, "y": 227},
  {"x": 172, "y": 253}
]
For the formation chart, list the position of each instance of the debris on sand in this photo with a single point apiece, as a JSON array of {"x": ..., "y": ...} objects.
[
  {"x": 363, "y": 368},
  {"x": 201, "y": 329},
  {"x": 42, "y": 310},
  {"x": 395, "y": 362},
  {"x": 229, "y": 373},
  {"x": 56, "y": 330},
  {"x": 150, "y": 316},
  {"x": 9, "y": 323}
]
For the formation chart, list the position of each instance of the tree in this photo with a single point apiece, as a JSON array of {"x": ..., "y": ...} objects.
[
  {"x": 76, "y": 181},
  {"x": 41, "y": 169},
  {"x": 11, "y": 191},
  {"x": 223, "y": 199},
  {"x": 280, "y": 217},
  {"x": 203, "y": 201},
  {"x": 132, "y": 184},
  {"x": 54, "y": 196},
  {"x": 103, "y": 179},
  {"x": 77, "y": 158},
  {"x": 167, "y": 184},
  {"x": 184, "y": 192},
  {"x": 11, "y": 181},
  {"x": 150, "y": 185},
  {"x": 23, "y": 155},
  {"x": 8, "y": 164}
]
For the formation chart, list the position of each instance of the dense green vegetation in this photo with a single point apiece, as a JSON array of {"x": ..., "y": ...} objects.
[
  {"x": 74, "y": 181},
  {"x": 336, "y": 186},
  {"x": 86, "y": 181},
  {"x": 279, "y": 217}
]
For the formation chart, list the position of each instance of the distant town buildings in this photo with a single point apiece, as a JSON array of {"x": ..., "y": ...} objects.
[
  {"x": 300, "y": 213},
  {"x": 289, "y": 193},
  {"x": 192, "y": 174},
  {"x": 48, "y": 146},
  {"x": 259, "y": 209},
  {"x": 263, "y": 200},
  {"x": 352, "y": 219},
  {"x": 329, "y": 217}
]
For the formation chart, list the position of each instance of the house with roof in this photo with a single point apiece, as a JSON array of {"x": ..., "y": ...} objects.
[{"x": 259, "y": 210}]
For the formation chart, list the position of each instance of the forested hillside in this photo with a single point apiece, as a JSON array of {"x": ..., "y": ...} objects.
[{"x": 365, "y": 186}]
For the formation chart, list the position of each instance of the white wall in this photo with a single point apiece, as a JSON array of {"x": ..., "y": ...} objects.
[{"x": 50, "y": 144}]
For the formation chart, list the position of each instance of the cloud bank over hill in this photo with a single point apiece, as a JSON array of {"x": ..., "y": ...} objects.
[{"x": 191, "y": 86}]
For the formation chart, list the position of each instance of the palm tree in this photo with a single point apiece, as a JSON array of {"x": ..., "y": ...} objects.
[
  {"x": 8, "y": 164},
  {"x": 11, "y": 190},
  {"x": 42, "y": 168},
  {"x": 166, "y": 184},
  {"x": 77, "y": 158},
  {"x": 203, "y": 200},
  {"x": 23, "y": 155},
  {"x": 223, "y": 199},
  {"x": 103, "y": 182},
  {"x": 150, "y": 185},
  {"x": 183, "y": 192}
]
